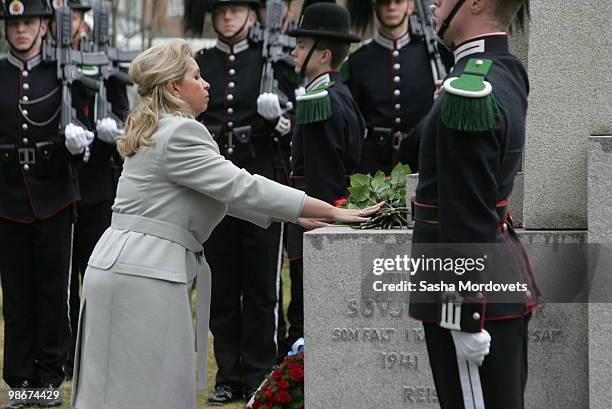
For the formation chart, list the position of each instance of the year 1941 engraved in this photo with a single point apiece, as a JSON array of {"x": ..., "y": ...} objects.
[{"x": 400, "y": 360}]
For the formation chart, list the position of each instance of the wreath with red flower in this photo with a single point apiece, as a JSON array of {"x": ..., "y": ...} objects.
[{"x": 284, "y": 387}]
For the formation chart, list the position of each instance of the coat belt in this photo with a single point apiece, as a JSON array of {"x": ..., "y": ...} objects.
[
  {"x": 157, "y": 228},
  {"x": 181, "y": 236}
]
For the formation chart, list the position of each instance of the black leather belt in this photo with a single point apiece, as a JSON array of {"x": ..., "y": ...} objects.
[
  {"x": 386, "y": 136},
  {"x": 27, "y": 155},
  {"x": 427, "y": 213}
]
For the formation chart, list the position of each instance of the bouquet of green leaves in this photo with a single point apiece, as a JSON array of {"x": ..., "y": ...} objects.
[{"x": 366, "y": 191}]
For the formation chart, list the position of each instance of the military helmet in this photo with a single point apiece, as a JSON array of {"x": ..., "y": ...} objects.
[
  {"x": 25, "y": 8},
  {"x": 325, "y": 20},
  {"x": 219, "y": 3},
  {"x": 262, "y": 3},
  {"x": 76, "y": 5},
  {"x": 195, "y": 11},
  {"x": 79, "y": 5}
]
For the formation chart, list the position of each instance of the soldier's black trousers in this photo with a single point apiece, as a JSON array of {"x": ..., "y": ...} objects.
[
  {"x": 295, "y": 311},
  {"x": 91, "y": 224},
  {"x": 244, "y": 262},
  {"x": 503, "y": 375},
  {"x": 34, "y": 261}
]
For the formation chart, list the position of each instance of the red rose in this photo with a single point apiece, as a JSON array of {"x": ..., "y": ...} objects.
[
  {"x": 256, "y": 403},
  {"x": 283, "y": 398},
  {"x": 282, "y": 385},
  {"x": 340, "y": 202},
  {"x": 297, "y": 373},
  {"x": 268, "y": 393},
  {"x": 276, "y": 375}
]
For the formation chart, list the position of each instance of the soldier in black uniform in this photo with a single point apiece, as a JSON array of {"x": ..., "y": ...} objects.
[
  {"x": 391, "y": 79},
  {"x": 467, "y": 169},
  {"x": 96, "y": 177},
  {"x": 329, "y": 135},
  {"x": 38, "y": 190},
  {"x": 244, "y": 258},
  {"x": 297, "y": 81},
  {"x": 287, "y": 13}
]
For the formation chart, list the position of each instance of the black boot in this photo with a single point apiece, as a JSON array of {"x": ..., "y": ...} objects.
[
  {"x": 19, "y": 403},
  {"x": 224, "y": 394},
  {"x": 248, "y": 394},
  {"x": 53, "y": 397}
]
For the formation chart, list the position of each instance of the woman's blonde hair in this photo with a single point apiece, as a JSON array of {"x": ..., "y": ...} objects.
[{"x": 151, "y": 71}]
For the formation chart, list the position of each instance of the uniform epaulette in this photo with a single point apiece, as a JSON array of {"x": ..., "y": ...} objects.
[
  {"x": 468, "y": 103},
  {"x": 314, "y": 106},
  {"x": 89, "y": 70}
]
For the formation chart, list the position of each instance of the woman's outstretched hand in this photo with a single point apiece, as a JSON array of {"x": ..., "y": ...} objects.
[
  {"x": 311, "y": 224},
  {"x": 347, "y": 216},
  {"x": 344, "y": 216}
]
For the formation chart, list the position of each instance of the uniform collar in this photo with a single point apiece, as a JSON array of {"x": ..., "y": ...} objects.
[
  {"x": 24, "y": 65},
  {"x": 239, "y": 47},
  {"x": 321, "y": 79},
  {"x": 392, "y": 44},
  {"x": 490, "y": 42}
]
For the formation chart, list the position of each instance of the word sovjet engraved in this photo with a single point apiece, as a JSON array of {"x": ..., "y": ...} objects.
[
  {"x": 363, "y": 334},
  {"x": 371, "y": 308}
]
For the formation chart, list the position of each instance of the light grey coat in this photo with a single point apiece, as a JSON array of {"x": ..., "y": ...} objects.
[{"x": 135, "y": 341}]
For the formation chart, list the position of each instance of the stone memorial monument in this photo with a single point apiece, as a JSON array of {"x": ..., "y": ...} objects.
[{"x": 366, "y": 353}]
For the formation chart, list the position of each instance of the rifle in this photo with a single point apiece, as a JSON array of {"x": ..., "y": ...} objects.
[
  {"x": 101, "y": 43},
  {"x": 424, "y": 28},
  {"x": 274, "y": 45},
  {"x": 68, "y": 61}
]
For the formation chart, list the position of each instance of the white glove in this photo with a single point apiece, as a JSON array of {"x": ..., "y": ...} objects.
[
  {"x": 77, "y": 139},
  {"x": 107, "y": 130},
  {"x": 283, "y": 126},
  {"x": 268, "y": 106},
  {"x": 472, "y": 347}
]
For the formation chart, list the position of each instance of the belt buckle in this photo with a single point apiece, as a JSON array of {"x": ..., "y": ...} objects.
[
  {"x": 396, "y": 140},
  {"x": 26, "y": 156},
  {"x": 230, "y": 147}
]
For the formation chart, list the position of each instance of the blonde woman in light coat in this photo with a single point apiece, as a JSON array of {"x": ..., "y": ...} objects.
[{"x": 135, "y": 341}]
